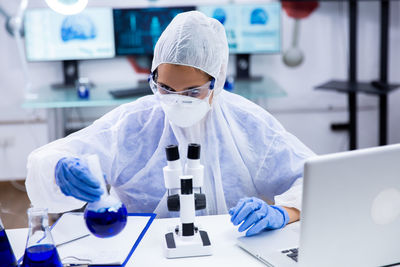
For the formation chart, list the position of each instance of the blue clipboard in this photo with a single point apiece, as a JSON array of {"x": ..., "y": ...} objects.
[{"x": 149, "y": 222}]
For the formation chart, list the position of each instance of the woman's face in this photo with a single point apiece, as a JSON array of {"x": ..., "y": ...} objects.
[{"x": 179, "y": 78}]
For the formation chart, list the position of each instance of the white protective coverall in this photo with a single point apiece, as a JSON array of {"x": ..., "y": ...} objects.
[{"x": 246, "y": 152}]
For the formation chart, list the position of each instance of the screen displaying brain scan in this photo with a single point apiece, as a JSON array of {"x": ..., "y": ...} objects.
[{"x": 52, "y": 36}]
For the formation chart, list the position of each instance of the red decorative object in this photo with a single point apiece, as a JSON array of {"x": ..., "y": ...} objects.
[
  {"x": 299, "y": 10},
  {"x": 136, "y": 67}
]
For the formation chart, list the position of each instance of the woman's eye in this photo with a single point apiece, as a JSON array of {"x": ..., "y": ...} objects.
[
  {"x": 194, "y": 93},
  {"x": 166, "y": 88}
]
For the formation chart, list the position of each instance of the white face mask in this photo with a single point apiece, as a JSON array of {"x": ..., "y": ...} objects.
[{"x": 184, "y": 111}]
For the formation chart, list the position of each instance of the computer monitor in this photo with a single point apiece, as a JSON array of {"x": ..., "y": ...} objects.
[
  {"x": 52, "y": 36},
  {"x": 137, "y": 30},
  {"x": 250, "y": 28}
]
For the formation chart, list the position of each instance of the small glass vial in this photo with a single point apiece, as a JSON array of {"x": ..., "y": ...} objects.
[
  {"x": 7, "y": 257},
  {"x": 40, "y": 249}
]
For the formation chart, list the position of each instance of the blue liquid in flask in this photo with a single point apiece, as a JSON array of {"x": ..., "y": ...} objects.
[
  {"x": 106, "y": 222},
  {"x": 7, "y": 257},
  {"x": 41, "y": 255}
]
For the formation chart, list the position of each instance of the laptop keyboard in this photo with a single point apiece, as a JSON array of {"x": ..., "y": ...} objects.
[{"x": 291, "y": 253}]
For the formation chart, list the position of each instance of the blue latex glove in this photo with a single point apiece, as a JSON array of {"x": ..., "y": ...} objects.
[
  {"x": 258, "y": 214},
  {"x": 75, "y": 179}
]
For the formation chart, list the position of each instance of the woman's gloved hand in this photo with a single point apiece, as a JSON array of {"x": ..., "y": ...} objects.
[
  {"x": 75, "y": 179},
  {"x": 258, "y": 214}
]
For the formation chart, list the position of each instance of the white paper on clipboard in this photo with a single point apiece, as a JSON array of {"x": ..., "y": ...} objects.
[{"x": 91, "y": 249}]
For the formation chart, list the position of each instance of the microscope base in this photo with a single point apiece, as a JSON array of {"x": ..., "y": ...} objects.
[{"x": 177, "y": 246}]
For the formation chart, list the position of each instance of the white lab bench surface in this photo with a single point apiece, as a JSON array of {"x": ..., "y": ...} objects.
[{"x": 150, "y": 251}]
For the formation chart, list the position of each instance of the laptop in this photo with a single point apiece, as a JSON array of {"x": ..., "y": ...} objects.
[{"x": 350, "y": 214}]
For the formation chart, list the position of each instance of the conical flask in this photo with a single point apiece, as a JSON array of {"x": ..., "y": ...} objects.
[
  {"x": 7, "y": 258},
  {"x": 40, "y": 249}
]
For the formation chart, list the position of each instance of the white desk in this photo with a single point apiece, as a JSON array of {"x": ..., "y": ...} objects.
[{"x": 150, "y": 250}]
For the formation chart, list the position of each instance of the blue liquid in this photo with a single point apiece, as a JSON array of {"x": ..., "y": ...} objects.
[
  {"x": 106, "y": 223},
  {"x": 7, "y": 257},
  {"x": 41, "y": 255}
]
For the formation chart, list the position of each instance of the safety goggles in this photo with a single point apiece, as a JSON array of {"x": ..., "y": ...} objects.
[{"x": 199, "y": 93}]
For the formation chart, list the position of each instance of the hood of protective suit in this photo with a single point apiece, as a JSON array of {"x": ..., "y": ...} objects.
[{"x": 195, "y": 40}]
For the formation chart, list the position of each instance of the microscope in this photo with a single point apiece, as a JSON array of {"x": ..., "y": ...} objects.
[{"x": 186, "y": 240}]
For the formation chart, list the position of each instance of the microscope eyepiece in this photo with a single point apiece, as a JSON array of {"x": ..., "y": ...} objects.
[
  {"x": 172, "y": 152},
  {"x": 193, "y": 151}
]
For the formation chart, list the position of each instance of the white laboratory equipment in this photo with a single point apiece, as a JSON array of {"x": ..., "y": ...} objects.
[{"x": 186, "y": 240}]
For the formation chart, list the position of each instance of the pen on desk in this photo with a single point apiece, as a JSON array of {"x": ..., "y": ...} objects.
[
  {"x": 77, "y": 264},
  {"x": 72, "y": 240}
]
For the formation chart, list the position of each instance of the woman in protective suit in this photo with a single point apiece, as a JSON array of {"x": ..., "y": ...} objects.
[{"x": 248, "y": 156}]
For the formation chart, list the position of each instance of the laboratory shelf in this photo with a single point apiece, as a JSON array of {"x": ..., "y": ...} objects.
[
  {"x": 259, "y": 89},
  {"x": 356, "y": 87},
  {"x": 47, "y": 97}
]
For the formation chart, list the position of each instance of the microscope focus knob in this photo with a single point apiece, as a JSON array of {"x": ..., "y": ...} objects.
[
  {"x": 173, "y": 203},
  {"x": 199, "y": 201}
]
